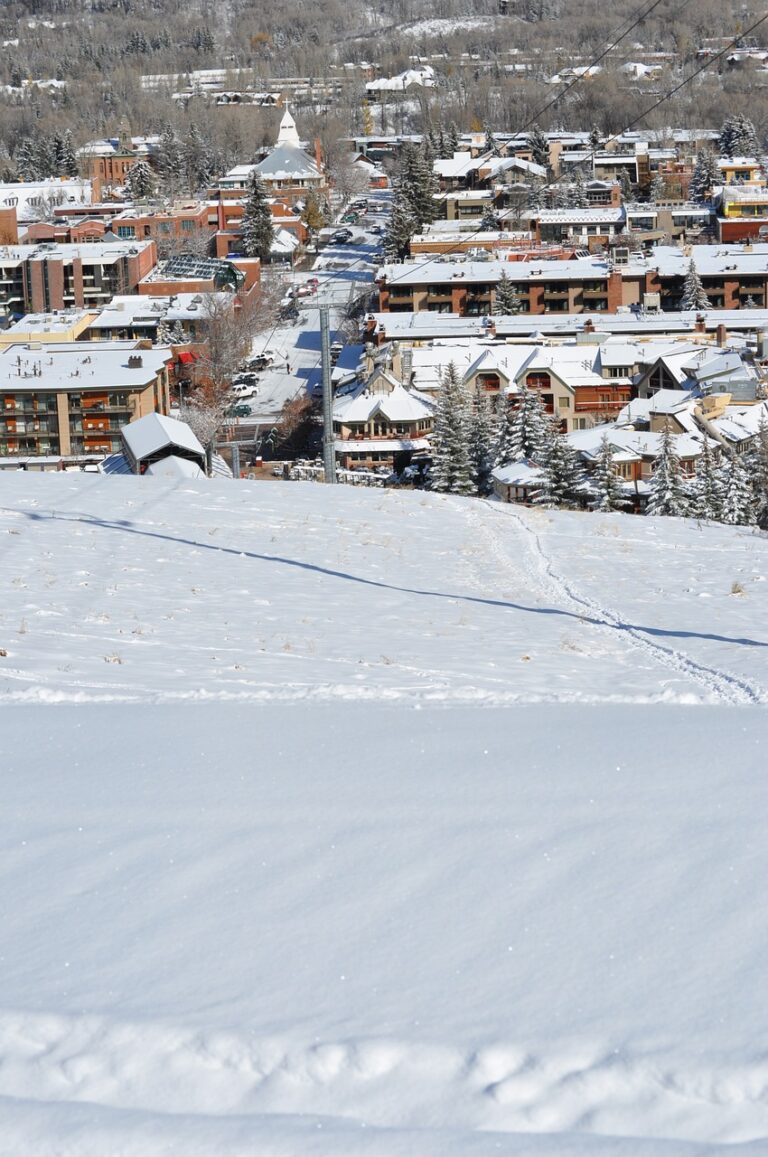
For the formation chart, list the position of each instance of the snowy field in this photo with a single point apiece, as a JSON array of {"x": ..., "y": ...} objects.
[{"x": 362, "y": 822}]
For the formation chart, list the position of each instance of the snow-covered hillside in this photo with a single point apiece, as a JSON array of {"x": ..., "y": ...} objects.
[
  {"x": 320, "y": 834},
  {"x": 148, "y": 592}
]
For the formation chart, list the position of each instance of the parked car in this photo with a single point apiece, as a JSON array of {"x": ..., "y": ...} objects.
[
  {"x": 306, "y": 290},
  {"x": 238, "y": 411},
  {"x": 289, "y": 313},
  {"x": 243, "y": 390},
  {"x": 342, "y": 236},
  {"x": 351, "y": 219},
  {"x": 262, "y": 361},
  {"x": 360, "y": 205},
  {"x": 377, "y": 230}
]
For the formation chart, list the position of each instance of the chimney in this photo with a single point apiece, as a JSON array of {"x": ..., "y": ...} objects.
[
  {"x": 700, "y": 325},
  {"x": 490, "y": 327},
  {"x": 721, "y": 335},
  {"x": 135, "y": 362},
  {"x": 589, "y": 326},
  {"x": 406, "y": 366}
]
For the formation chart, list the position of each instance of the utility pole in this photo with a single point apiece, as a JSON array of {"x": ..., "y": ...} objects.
[{"x": 329, "y": 449}]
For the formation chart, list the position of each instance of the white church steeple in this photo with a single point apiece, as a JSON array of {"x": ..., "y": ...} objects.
[{"x": 288, "y": 134}]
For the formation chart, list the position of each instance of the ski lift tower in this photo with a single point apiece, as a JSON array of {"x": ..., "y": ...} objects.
[{"x": 329, "y": 444}]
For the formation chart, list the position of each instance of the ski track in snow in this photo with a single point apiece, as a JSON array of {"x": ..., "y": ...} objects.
[{"x": 721, "y": 686}]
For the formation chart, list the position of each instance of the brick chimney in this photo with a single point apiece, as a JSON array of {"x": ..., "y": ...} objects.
[
  {"x": 700, "y": 325},
  {"x": 721, "y": 335},
  {"x": 589, "y": 326}
]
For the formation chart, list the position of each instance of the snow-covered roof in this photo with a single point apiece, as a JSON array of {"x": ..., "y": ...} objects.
[
  {"x": 175, "y": 467},
  {"x": 399, "y": 405},
  {"x": 520, "y": 473},
  {"x": 154, "y": 432},
  {"x": 286, "y": 162}
]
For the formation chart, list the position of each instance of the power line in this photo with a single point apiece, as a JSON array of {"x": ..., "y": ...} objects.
[
  {"x": 627, "y": 128},
  {"x": 614, "y": 44}
]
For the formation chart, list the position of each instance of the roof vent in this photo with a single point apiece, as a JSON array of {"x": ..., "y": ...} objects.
[{"x": 135, "y": 362}]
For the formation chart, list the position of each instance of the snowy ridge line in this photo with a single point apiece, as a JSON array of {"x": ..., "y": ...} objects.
[
  {"x": 416, "y": 696},
  {"x": 722, "y": 685},
  {"x": 170, "y": 1070}
]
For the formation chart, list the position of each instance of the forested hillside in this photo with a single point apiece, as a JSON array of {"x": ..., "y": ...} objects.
[{"x": 92, "y": 54}]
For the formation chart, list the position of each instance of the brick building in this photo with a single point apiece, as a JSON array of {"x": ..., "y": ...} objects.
[{"x": 42, "y": 278}]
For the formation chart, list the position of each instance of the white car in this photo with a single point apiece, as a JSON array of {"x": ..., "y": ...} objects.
[{"x": 243, "y": 390}]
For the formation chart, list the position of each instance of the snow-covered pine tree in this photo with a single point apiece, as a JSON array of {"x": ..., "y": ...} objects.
[
  {"x": 139, "y": 181},
  {"x": 452, "y": 139},
  {"x": 400, "y": 228},
  {"x": 706, "y": 489},
  {"x": 579, "y": 196},
  {"x": 482, "y": 439},
  {"x": 668, "y": 495},
  {"x": 656, "y": 189},
  {"x": 738, "y": 506},
  {"x": 489, "y": 221},
  {"x": 538, "y": 146},
  {"x": 562, "y": 472},
  {"x": 594, "y": 138},
  {"x": 626, "y": 186},
  {"x": 169, "y": 159},
  {"x": 178, "y": 336},
  {"x": 535, "y": 195},
  {"x": 25, "y": 160},
  {"x": 490, "y": 145},
  {"x": 66, "y": 160},
  {"x": 524, "y": 430},
  {"x": 451, "y": 462},
  {"x": 758, "y": 470},
  {"x": 609, "y": 493},
  {"x": 704, "y": 177},
  {"x": 417, "y": 183},
  {"x": 694, "y": 295},
  {"x": 163, "y": 337},
  {"x": 506, "y": 298},
  {"x": 198, "y": 160},
  {"x": 750, "y": 303},
  {"x": 258, "y": 230}
]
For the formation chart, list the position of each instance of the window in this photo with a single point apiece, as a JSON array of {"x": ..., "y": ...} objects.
[
  {"x": 187, "y": 226},
  {"x": 125, "y": 231},
  {"x": 538, "y": 381},
  {"x": 564, "y": 403}
]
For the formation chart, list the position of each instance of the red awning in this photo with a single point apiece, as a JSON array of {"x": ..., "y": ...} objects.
[{"x": 186, "y": 356}]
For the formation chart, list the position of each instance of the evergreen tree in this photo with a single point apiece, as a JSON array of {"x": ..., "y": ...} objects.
[
  {"x": 197, "y": 160},
  {"x": 417, "y": 184},
  {"x": 668, "y": 496},
  {"x": 169, "y": 159},
  {"x": 400, "y": 228},
  {"x": 163, "y": 336},
  {"x": 442, "y": 144},
  {"x": 562, "y": 473},
  {"x": 758, "y": 470},
  {"x": 538, "y": 146},
  {"x": 656, "y": 189},
  {"x": 482, "y": 442},
  {"x": 579, "y": 198},
  {"x": 535, "y": 195},
  {"x": 608, "y": 489},
  {"x": 451, "y": 462},
  {"x": 594, "y": 139},
  {"x": 704, "y": 177},
  {"x": 523, "y": 430},
  {"x": 491, "y": 144},
  {"x": 750, "y": 303},
  {"x": 139, "y": 181},
  {"x": 694, "y": 296},
  {"x": 452, "y": 143},
  {"x": 738, "y": 138},
  {"x": 706, "y": 491},
  {"x": 489, "y": 220},
  {"x": 738, "y": 507},
  {"x": 506, "y": 298},
  {"x": 626, "y": 186},
  {"x": 178, "y": 336},
  {"x": 25, "y": 160},
  {"x": 66, "y": 160},
  {"x": 258, "y": 230}
]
